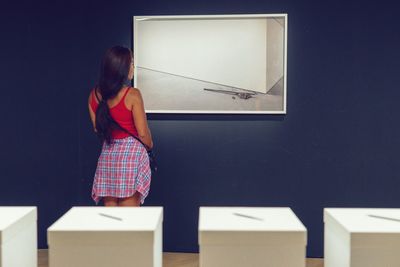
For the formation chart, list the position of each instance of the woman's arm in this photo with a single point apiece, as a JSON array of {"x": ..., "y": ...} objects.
[
  {"x": 139, "y": 117},
  {"x": 91, "y": 113}
]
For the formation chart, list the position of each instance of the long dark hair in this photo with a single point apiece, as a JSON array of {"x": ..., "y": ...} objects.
[{"x": 114, "y": 72}]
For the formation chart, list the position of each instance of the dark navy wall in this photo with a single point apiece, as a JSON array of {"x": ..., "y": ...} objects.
[{"x": 337, "y": 146}]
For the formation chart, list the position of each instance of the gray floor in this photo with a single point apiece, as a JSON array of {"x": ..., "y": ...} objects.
[{"x": 164, "y": 92}]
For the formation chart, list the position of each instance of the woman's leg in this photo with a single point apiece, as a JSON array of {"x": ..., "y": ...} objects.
[
  {"x": 110, "y": 201},
  {"x": 133, "y": 201}
]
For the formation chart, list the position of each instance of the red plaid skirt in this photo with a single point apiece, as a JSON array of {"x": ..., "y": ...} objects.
[{"x": 122, "y": 170}]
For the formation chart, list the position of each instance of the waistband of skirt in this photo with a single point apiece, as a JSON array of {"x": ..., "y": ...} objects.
[{"x": 123, "y": 140}]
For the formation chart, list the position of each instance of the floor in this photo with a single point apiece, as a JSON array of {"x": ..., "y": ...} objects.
[
  {"x": 174, "y": 260},
  {"x": 172, "y": 93}
]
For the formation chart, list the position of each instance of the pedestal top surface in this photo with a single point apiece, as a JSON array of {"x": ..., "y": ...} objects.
[
  {"x": 109, "y": 219},
  {"x": 365, "y": 220},
  {"x": 249, "y": 219},
  {"x": 9, "y": 215}
]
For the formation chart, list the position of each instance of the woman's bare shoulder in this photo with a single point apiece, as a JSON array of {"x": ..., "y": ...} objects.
[
  {"x": 134, "y": 93},
  {"x": 133, "y": 90}
]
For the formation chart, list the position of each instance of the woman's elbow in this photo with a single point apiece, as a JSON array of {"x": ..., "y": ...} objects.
[
  {"x": 151, "y": 144},
  {"x": 147, "y": 140}
]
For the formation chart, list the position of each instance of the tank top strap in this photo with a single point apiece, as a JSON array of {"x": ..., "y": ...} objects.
[
  {"x": 95, "y": 97},
  {"x": 126, "y": 92}
]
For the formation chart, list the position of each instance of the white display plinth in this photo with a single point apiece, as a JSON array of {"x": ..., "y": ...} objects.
[
  {"x": 18, "y": 237},
  {"x": 251, "y": 237},
  {"x": 362, "y": 237},
  {"x": 107, "y": 236}
]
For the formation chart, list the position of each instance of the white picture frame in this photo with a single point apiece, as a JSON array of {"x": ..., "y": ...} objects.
[{"x": 218, "y": 64}]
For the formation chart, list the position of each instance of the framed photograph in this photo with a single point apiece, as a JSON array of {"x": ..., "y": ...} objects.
[{"x": 211, "y": 63}]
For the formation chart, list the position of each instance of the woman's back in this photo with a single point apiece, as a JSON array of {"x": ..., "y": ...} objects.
[{"x": 120, "y": 111}]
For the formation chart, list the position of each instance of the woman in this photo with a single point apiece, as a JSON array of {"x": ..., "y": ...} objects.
[{"x": 123, "y": 174}]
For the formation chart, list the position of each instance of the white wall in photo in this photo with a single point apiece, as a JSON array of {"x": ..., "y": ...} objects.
[{"x": 230, "y": 52}]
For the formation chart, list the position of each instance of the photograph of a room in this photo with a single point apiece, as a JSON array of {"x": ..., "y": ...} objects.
[{"x": 211, "y": 64}]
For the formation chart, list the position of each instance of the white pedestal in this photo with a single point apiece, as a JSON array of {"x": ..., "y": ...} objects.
[
  {"x": 362, "y": 237},
  {"x": 18, "y": 237},
  {"x": 107, "y": 236},
  {"x": 251, "y": 237}
]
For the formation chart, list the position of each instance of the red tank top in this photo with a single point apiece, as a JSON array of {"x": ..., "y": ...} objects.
[{"x": 121, "y": 114}]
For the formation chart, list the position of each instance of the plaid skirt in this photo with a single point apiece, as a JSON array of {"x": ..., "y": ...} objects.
[{"x": 122, "y": 170}]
